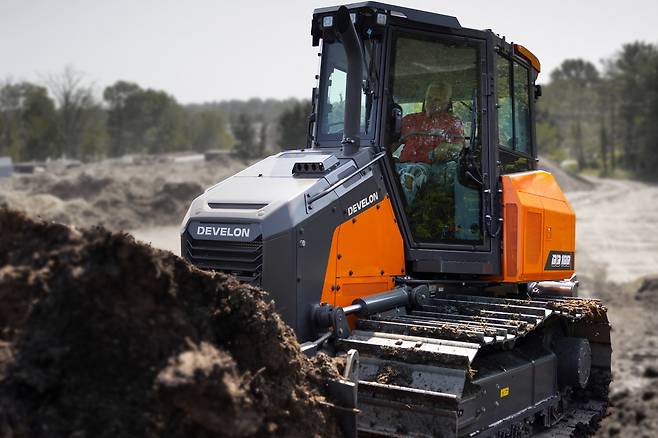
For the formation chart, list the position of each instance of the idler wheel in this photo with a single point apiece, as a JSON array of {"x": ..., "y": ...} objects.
[{"x": 574, "y": 361}]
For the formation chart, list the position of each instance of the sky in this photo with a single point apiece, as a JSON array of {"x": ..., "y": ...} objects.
[{"x": 211, "y": 50}]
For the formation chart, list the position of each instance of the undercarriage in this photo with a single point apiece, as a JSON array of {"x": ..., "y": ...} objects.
[{"x": 439, "y": 364}]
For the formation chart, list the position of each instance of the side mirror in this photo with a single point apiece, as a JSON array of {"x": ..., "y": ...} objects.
[
  {"x": 396, "y": 122},
  {"x": 537, "y": 91}
]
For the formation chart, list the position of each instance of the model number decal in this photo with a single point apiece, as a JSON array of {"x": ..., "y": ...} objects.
[
  {"x": 355, "y": 208},
  {"x": 559, "y": 260}
]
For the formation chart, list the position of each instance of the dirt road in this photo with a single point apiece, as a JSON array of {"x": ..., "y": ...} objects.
[{"x": 616, "y": 230}]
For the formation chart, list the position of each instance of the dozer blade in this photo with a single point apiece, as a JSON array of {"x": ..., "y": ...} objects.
[{"x": 459, "y": 365}]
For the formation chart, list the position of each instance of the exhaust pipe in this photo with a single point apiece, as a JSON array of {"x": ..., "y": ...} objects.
[
  {"x": 354, "y": 86},
  {"x": 567, "y": 288}
]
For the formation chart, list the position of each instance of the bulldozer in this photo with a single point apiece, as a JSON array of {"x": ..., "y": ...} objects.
[{"x": 413, "y": 238}]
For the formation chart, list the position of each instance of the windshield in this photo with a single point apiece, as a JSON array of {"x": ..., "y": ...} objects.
[
  {"x": 332, "y": 92},
  {"x": 435, "y": 83}
]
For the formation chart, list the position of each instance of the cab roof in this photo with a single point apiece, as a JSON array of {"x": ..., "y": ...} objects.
[
  {"x": 408, "y": 13},
  {"x": 423, "y": 17}
]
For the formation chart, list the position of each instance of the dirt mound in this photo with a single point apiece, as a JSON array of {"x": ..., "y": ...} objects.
[
  {"x": 648, "y": 290},
  {"x": 85, "y": 199},
  {"x": 83, "y": 186},
  {"x": 118, "y": 194},
  {"x": 101, "y": 336}
]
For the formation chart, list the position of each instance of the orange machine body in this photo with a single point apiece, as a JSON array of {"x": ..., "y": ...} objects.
[
  {"x": 539, "y": 234},
  {"x": 367, "y": 251}
]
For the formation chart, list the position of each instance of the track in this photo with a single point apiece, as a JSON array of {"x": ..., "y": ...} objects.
[{"x": 439, "y": 359}]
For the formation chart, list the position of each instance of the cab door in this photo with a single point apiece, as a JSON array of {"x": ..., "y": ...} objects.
[{"x": 439, "y": 160}]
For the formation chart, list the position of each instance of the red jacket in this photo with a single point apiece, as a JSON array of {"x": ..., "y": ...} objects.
[{"x": 444, "y": 127}]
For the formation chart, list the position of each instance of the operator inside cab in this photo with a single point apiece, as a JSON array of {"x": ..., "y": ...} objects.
[{"x": 429, "y": 141}]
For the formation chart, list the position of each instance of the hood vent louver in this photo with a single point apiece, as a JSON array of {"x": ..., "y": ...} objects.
[
  {"x": 235, "y": 206},
  {"x": 315, "y": 167}
]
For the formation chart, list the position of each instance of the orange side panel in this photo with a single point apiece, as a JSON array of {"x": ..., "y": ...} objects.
[
  {"x": 329, "y": 285},
  {"x": 540, "y": 227},
  {"x": 367, "y": 251}
]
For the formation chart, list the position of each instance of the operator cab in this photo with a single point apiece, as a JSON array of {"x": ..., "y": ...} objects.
[{"x": 452, "y": 109}]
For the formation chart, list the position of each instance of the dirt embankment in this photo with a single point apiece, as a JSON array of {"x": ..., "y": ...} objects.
[
  {"x": 101, "y": 336},
  {"x": 120, "y": 195}
]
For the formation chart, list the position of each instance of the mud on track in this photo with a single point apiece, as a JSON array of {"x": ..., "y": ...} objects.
[{"x": 101, "y": 336}]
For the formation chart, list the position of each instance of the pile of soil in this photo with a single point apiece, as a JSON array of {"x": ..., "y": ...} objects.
[
  {"x": 101, "y": 336},
  {"x": 648, "y": 291},
  {"x": 85, "y": 199},
  {"x": 118, "y": 195}
]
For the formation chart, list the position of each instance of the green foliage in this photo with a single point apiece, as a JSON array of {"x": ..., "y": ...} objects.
[
  {"x": 119, "y": 141},
  {"x": 207, "y": 129},
  {"x": 245, "y": 136},
  {"x": 154, "y": 122},
  {"x": 293, "y": 126},
  {"x": 28, "y": 126},
  {"x": 604, "y": 120}
]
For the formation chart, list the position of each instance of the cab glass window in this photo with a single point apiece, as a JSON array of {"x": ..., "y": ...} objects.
[
  {"x": 435, "y": 82},
  {"x": 504, "y": 103},
  {"x": 332, "y": 96},
  {"x": 521, "y": 109},
  {"x": 513, "y": 104}
]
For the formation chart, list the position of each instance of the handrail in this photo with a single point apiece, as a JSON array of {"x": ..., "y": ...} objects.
[{"x": 342, "y": 181}]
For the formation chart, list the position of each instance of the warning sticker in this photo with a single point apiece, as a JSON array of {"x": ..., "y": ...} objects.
[{"x": 504, "y": 392}]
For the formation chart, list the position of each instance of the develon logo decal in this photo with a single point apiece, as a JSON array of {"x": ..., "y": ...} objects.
[
  {"x": 222, "y": 231},
  {"x": 353, "y": 209}
]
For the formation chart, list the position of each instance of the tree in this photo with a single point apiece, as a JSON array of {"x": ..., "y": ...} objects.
[
  {"x": 575, "y": 83},
  {"x": 633, "y": 74},
  {"x": 78, "y": 112},
  {"x": 207, "y": 129},
  {"x": 577, "y": 72},
  {"x": 117, "y": 117},
  {"x": 28, "y": 127},
  {"x": 262, "y": 140},
  {"x": 293, "y": 125},
  {"x": 245, "y": 137},
  {"x": 152, "y": 122}
]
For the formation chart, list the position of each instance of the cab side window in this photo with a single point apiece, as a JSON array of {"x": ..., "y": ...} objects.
[
  {"x": 521, "y": 110},
  {"x": 513, "y": 104},
  {"x": 504, "y": 103}
]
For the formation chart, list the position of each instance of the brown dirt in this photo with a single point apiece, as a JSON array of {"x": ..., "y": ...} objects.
[
  {"x": 390, "y": 374},
  {"x": 120, "y": 195},
  {"x": 101, "y": 336},
  {"x": 632, "y": 309},
  {"x": 591, "y": 310}
]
